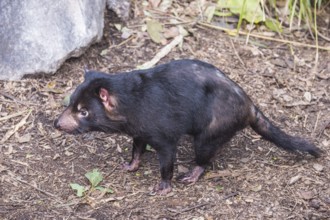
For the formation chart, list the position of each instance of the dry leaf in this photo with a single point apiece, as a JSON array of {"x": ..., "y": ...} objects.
[
  {"x": 165, "y": 5},
  {"x": 24, "y": 139},
  {"x": 126, "y": 32},
  {"x": 154, "y": 29},
  {"x": 171, "y": 32},
  {"x": 51, "y": 85},
  {"x": 154, "y": 3}
]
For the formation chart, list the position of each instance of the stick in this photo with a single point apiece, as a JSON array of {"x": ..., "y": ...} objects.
[
  {"x": 16, "y": 127},
  {"x": 15, "y": 99},
  {"x": 236, "y": 53},
  {"x": 190, "y": 208},
  {"x": 36, "y": 188},
  {"x": 233, "y": 194},
  {"x": 316, "y": 122},
  {"x": 12, "y": 115},
  {"x": 162, "y": 53},
  {"x": 265, "y": 37}
]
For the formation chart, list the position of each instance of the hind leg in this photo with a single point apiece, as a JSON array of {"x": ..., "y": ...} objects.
[{"x": 205, "y": 149}]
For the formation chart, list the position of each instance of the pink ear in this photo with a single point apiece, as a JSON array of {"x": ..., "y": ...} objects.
[
  {"x": 104, "y": 95},
  {"x": 109, "y": 101}
]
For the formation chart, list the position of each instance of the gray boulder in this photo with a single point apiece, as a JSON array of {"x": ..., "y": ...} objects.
[
  {"x": 120, "y": 7},
  {"x": 38, "y": 36}
]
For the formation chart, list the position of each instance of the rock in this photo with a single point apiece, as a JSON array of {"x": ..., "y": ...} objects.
[
  {"x": 306, "y": 195},
  {"x": 318, "y": 167},
  {"x": 38, "y": 36},
  {"x": 316, "y": 204},
  {"x": 294, "y": 179},
  {"x": 120, "y": 7}
]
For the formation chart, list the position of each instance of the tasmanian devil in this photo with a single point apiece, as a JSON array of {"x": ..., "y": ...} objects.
[{"x": 158, "y": 105}]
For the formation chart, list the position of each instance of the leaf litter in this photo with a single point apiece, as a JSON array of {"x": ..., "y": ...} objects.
[{"x": 37, "y": 163}]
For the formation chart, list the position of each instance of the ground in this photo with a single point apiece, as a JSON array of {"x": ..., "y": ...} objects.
[{"x": 250, "y": 178}]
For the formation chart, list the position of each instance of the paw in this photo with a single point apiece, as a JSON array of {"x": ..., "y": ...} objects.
[
  {"x": 192, "y": 176},
  {"x": 163, "y": 188},
  {"x": 131, "y": 167}
]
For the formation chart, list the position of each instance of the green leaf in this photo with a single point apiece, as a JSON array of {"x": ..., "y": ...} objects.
[
  {"x": 219, "y": 188},
  {"x": 103, "y": 189},
  {"x": 80, "y": 189},
  {"x": 273, "y": 25},
  {"x": 249, "y": 10},
  {"x": 94, "y": 177}
]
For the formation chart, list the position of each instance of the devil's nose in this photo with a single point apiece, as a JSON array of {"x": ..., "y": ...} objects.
[{"x": 56, "y": 124}]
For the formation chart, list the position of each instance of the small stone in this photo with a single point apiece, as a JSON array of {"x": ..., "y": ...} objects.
[
  {"x": 315, "y": 203},
  {"x": 318, "y": 167},
  {"x": 245, "y": 160},
  {"x": 294, "y": 179},
  {"x": 182, "y": 169},
  {"x": 249, "y": 200},
  {"x": 306, "y": 195},
  {"x": 308, "y": 96}
]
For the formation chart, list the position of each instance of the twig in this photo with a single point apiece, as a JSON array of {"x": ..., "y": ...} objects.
[
  {"x": 316, "y": 122},
  {"x": 316, "y": 42},
  {"x": 327, "y": 124},
  {"x": 16, "y": 127},
  {"x": 34, "y": 187},
  {"x": 6, "y": 95},
  {"x": 190, "y": 208},
  {"x": 265, "y": 37},
  {"x": 123, "y": 42},
  {"x": 12, "y": 115},
  {"x": 233, "y": 194},
  {"x": 322, "y": 36},
  {"x": 236, "y": 53},
  {"x": 163, "y": 52}
]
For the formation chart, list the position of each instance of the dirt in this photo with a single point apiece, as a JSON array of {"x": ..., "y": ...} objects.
[{"x": 250, "y": 178}]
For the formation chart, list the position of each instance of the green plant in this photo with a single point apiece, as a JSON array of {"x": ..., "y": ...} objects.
[
  {"x": 95, "y": 178},
  {"x": 267, "y": 12}
]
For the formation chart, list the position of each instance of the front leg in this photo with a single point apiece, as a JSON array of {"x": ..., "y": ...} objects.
[
  {"x": 166, "y": 156},
  {"x": 139, "y": 147}
]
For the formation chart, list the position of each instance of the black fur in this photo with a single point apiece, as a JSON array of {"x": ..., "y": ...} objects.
[{"x": 159, "y": 105}]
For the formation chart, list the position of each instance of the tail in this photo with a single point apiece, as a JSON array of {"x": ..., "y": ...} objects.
[{"x": 270, "y": 132}]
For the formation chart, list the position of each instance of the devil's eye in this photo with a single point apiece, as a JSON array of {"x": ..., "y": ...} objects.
[{"x": 83, "y": 112}]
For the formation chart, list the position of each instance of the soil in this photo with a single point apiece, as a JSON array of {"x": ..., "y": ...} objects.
[{"x": 250, "y": 178}]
